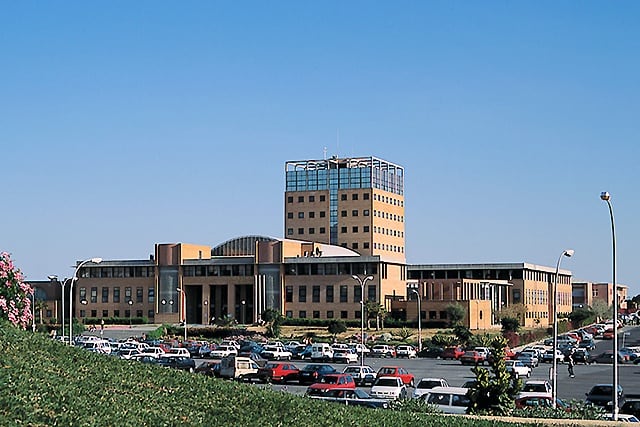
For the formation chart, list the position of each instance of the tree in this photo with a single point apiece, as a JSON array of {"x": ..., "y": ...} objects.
[
  {"x": 579, "y": 316},
  {"x": 463, "y": 334},
  {"x": 455, "y": 314},
  {"x": 337, "y": 326},
  {"x": 601, "y": 310},
  {"x": 15, "y": 295},
  {"x": 517, "y": 311},
  {"x": 375, "y": 311},
  {"x": 510, "y": 324},
  {"x": 274, "y": 322},
  {"x": 494, "y": 392}
]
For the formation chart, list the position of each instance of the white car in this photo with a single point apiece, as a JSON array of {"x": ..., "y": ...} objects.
[
  {"x": 517, "y": 368},
  {"x": 450, "y": 400},
  {"x": 535, "y": 386},
  {"x": 345, "y": 356},
  {"x": 223, "y": 351},
  {"x": 275, "y": 352},
  {"x": 177, "y": 351},
  {"x": 362, "y": 375},
  {"x": 426, "y": 384},
  {"x": 359, "y": 348},
  {"x": 406, "y": 351},
  {"x": 389, "y": 388},
  {"x": 152, "y": 351}
]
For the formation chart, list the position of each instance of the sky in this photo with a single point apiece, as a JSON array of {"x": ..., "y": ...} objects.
[{"x": 125, "y": 124}]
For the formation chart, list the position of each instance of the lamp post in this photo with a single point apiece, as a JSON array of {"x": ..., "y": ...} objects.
[
  {"x": 361, "y": 282},
  {"x": 413, "y": 287},
  {"x": 184, "y": 311},
  {"x": 568, "y": 253},
  {"x": 54, "y": 278},
  {"x": 244, "y": 303},
  {"x": 73, "y": 279},
  {"x": 607, "y": 198},
  {"x": 130, "y": 302},
  {"x": 33, "y": 310}
]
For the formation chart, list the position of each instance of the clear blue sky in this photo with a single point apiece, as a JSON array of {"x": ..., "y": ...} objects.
[{"x": 124, "y": 124}]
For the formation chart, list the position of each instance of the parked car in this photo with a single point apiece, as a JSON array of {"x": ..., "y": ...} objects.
[
  {"x": 301, "y": 352},
  {"x": 383, "y": 350},
  {"x": 471, "y": 357},
  {"x": 352, "y": 397},
  {"x": 238, "y": 368},
  {"x": 314, "y": 372},
  {"x": 537, "y": 400},
  {"x": 177, "y": 351},
  {"x": 321, "y": 352},
  {"x": 602, "y": 395},
  {"x": 127, "y": 353},
  {"x": 631, "y": 405},
  {"x": 397, "y": 371},
  {"x": 223, "y": 351},
  {"x": 362, "y": 375},
  {"x": 452, "y": 353},
  {"x": 278, "y": 372},
  {"x": 450, "y": 400},
  {"x": 210, "y": 369},
  {"x": 528, "y": 358},
  {"x": 183, "y": 363},
  {"x": 276, "y": 352},
  {"x": 547, "y": 357},
  {"x": 426, "y": 384},
  {"x": 331, "y": 381},
  {"x": 536, "y": 386},
  {"x": 605, "y": 357},
  {"x": 581, "y": 355},
  {"x": 588, "y": 344},
  {"x": 517, "y": 369},
  {"x": 608, "y": 334},
  {"x": 346, "y": 355},
  {"x": 406, "y": 351},
  {"x": 389, "y": 388}
]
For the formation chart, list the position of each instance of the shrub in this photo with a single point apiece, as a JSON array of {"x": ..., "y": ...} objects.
[{"x": 15, "y": 295}]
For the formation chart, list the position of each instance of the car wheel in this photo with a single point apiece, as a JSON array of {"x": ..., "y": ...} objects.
[
  {"x": 412, "y": 384},
  {"x": 191, "y": 370},
  {"x": 528, "y": 374}
]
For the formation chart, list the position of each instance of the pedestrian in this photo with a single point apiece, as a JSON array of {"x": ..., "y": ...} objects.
[{"x": 571, "y": 362}]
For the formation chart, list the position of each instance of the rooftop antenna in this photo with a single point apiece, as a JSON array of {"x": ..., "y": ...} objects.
[{"x": 325, "y": 153}]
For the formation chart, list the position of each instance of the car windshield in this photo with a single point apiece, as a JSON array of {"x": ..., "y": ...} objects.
[
  {"x": 386, "y": 371},
  {"x": 330, "y": 379},
  {"x": 387, "y": 382},
  {"x": 428, "y": 384},
  {"x": 604, "y": 390},
  {"x": 352, "y": 370},
  {"x": 534, "y": 388}
]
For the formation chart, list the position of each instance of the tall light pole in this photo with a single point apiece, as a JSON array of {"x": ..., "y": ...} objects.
[
  {"x": 54, "y": 278},
  {"x": 361, "y": 282},
  {"x": 243, "y": 311},
  {"x": 73, "y": 279},
  {"x": 568, "y": 253},
  {"x": 130, "y": 302},
  {"x": 33, "y": 309},
  {"x": 184, "y": 311},
  {"x": 413, "y": 288},
  {"x": 607, "y": 198}
]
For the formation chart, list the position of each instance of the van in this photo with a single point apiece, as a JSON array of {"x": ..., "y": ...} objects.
[
  {"x": 238, "y": 368},
  {"x": 450, "y": 400},
  {"x": 321, "y": 352},
  {"x": 98, "y": 346}
]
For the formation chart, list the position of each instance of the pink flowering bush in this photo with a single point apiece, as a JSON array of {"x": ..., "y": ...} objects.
[{"x": 15, "y": 295}]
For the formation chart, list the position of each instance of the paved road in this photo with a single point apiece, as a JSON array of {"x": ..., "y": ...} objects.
[{"x": 568, "y": 388}]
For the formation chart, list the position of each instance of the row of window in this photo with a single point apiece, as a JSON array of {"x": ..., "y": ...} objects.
[
  {"x": 344, "y": 314},
  {"x": 390, "y": 248},
  {"x": 388, "y": 232},
  {"x": 116, "y": 296},
  {"x": 331, "y": 269},
  {"x": 387, "y": 199},
  {"x": 329, "y": 296},
  {"x": 116, "y": 313},
  {"x": 345, "y": 213},
  {"x": 387, "y": 215},
  {"x": 323, "y": 198},
  {"x": 218, "y": 270},
  {"x": 100, "y": 272}
]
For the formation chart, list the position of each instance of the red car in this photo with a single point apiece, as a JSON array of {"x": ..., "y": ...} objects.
[
  {"x": 332, "y": 381},
  {"x": 472, "y": 357},
  {"x": 452, "y": 353},
  {"x": 608, "y": 334},
  {"x": 397, "y": 371},
  {"x": 278, "y": 372}
]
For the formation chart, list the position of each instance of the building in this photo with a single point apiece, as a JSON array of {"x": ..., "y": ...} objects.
[
  {"x": 584, "y": 294},
  {"x": 357, "y": 203}
]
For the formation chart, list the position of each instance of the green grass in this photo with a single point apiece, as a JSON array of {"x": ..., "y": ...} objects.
[{"x": 45, "y": 383}]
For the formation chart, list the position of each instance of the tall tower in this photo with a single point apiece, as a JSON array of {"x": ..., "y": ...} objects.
[{"x": 357, "y": 203}]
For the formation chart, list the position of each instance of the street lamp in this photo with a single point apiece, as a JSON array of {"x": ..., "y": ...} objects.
[
  {"x": 33, "y": 309},
  {"x": 362, "y": 282},
  {"x": 130, "y": 302},
  {"x": 184, "y": 311},
  {"x": 73, "y": 279},
  {"x": 568, "y": 253},
  {"x": 244, "y": 303},
  {"x": 54, "y": 278},
  {"x": 607, "y": 198},
  {"x": 413, "y": 288}
]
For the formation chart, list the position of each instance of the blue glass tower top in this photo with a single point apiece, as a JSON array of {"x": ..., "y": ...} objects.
[{"x": 348, "y": 173}]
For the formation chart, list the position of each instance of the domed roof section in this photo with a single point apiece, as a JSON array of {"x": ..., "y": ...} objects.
[{"x": 240, "y": 246}]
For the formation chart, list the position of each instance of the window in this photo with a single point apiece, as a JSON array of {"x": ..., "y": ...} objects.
[
  {"x": 83, "y": 313},
  {"x": 354, "y": 229},
  {"x": 116, "y": 313},
  {"x": 302, "y": 314},
  {"x": 288, "y": 314},
  {"x": 139, "y": 294},
  {"x": 290, "y": 199},
  {"x": 94, "y": 295},
  {"x": 344, "y": 314},
  {"x": 365, "y": 196},
  {"x": 105, "y": 313},
  {"x": 151, "y": 294},
  {"x": 343, "y": 293},
  {"x": 343, "y": 213},
  {"x": 300, "y": 215},
  {"x": 323, "y": 198},
  {"x": 365, "y": 245},
  {"x": 105, "y": 295},
  {"x": 354, "y": 245},
  {"x": 94, "y": 313},
  {"x": 312, "y": 214},
  {"x": 329, "y": 293},
  {"x": 302, "y": 294},
  {"x": 432, "y": 315},
  {"x": 289, "y": 231},
  {"x": 290, "y": 215},
  {"x": 322, "y": 214},
  {"x": 300, "y": 230},
  {"x": 354, "y": 196},
  {"x": 365, "y": 229},
  {"x": 330, "y": 314},
  {"x": 312, "y": 198},
  {"x": 357, "y": 293},
  {"x": 127, "y": 313},
  {"x": 343, "y": 197},
  {"x": 323, "y": 230},
  {"x": 300, "y": 199},
  {"x": 354, "y": 212},
  {"x": 315, "y": 293},
  {"x": 312, "y": 230},
  {"x": 288, "y": 294},
  {"x": 343, "y": 229},
  {"x": 371, "y": 293},
  {"x": 365, "y": 212},
  {"x": 116, "y": 295},
  {"x": 150, "y": 314},
  {"x": 316, "y": 314}
]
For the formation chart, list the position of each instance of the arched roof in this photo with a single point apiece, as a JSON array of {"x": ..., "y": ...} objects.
[{"x": 240, "y": 246}]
